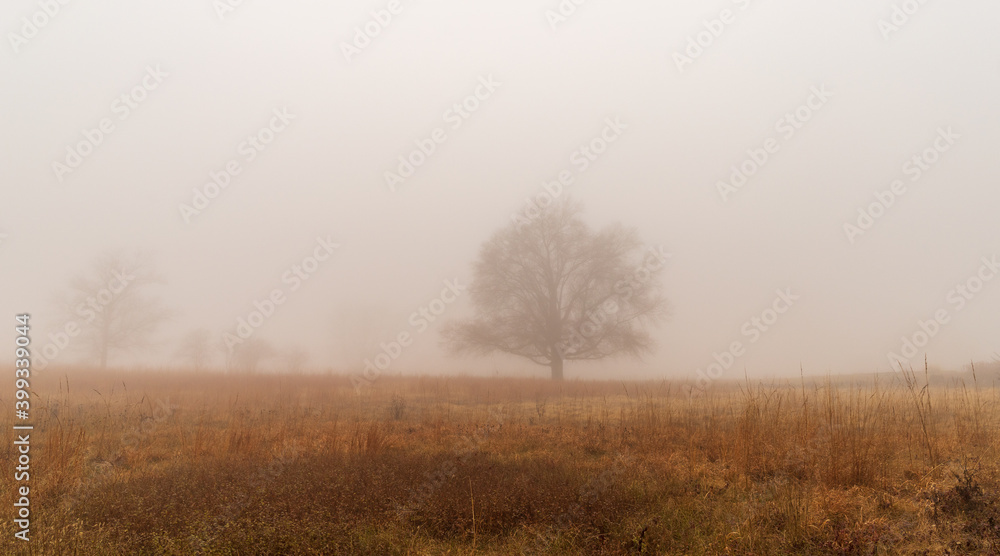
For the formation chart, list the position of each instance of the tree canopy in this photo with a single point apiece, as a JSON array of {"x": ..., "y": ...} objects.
[{"x": 551, "y": 289}]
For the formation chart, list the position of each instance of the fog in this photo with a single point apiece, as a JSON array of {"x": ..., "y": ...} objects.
[{"x": 767, "y": 146}]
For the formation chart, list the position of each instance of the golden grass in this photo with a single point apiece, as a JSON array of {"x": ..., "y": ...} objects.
[{"x": 167, "y": 463}]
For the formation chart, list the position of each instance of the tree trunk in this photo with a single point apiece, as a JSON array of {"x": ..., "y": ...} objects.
[{"x": 557, "y": 368}]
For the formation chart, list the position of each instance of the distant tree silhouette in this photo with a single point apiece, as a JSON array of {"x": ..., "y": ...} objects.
[
  {"x": 293, "y": 359},
  {"x": 196, "y": 348},
  {"x": 248, "y": 356}
]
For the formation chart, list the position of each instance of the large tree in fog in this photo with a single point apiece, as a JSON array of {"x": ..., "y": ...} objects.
[
  {"x": 115, "y": 305},
  {"x": 551, "y": 289}
]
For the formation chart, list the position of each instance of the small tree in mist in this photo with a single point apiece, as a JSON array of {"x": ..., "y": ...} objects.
[
  {"x": 196, "y": 349},
  {"x": 248, "y": 356},
  {"x": 551, "y": 289},
  {"x": 293, "y": 359},
  {"x": 114, "y": 300}
]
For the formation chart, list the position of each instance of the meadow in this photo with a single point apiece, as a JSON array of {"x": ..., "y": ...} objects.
[{"x": 184, "y": 463}]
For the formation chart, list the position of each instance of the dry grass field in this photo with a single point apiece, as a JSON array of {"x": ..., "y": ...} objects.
[{"x": 162, "y": 463}]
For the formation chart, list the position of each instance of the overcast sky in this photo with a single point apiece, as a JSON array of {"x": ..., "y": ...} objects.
[{"x": 825, "y": 104}]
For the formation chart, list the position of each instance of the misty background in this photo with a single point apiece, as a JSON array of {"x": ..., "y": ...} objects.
[{"x": 224, "y": 73}]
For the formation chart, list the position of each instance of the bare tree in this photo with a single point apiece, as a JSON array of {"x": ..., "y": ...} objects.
[
  {"x": 551, "y": 289},
  {"x": 196, "y": 348},
  {"x": 113, "y": 298},
  {"x": 293, "y": 359},
  {"x": 248, "y": 355}
]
